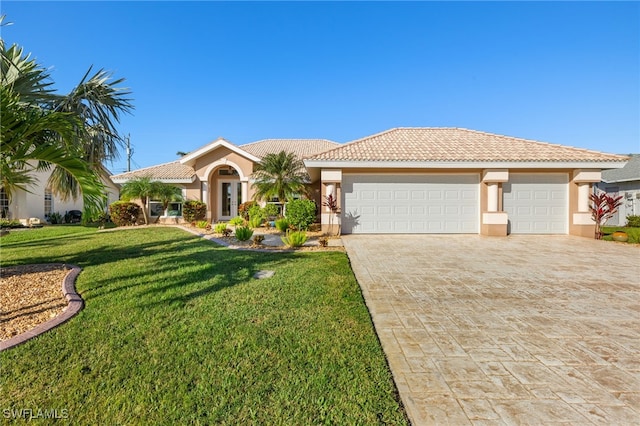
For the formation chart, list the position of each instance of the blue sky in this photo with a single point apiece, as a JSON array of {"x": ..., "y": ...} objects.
[{"x": 565, "y": 73}]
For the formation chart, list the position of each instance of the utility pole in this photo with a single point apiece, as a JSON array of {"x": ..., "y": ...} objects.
[{"x": 129, "y": 152}]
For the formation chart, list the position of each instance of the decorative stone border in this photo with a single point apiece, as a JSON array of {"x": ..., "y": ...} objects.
[{"x": 75, "y": 305}]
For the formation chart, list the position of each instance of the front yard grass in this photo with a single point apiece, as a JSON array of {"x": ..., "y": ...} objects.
[
  {"x": 634, "y": 233},
  {"x": 175, "y": 330}
]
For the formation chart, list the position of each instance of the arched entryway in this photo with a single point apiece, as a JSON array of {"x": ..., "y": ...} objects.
[{"x": 228, "y": 188}]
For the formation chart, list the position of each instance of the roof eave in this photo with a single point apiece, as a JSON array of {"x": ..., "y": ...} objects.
[
  {"x": 191, "y": 158},
  {"x": 163, "y": 180},
  {"x": 310, "y": 163}
]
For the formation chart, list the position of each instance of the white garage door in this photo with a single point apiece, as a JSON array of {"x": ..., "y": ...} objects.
[
  {"x": 387, "y": 204},
  {"x": 537, "y": 203}
]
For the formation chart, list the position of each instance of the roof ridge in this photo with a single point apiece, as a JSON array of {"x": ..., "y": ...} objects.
[{"x": 149, "y": 167}]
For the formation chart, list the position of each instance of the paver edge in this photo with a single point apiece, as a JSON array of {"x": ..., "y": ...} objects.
[{"x": 75, "y": 305}]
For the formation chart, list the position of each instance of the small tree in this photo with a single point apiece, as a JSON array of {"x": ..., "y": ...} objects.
[
  {"x": 331, "y": 202},
  {"x": 141, "y": 188},
  {"x": 603, "y": 206},
  {"x": 166, "y": 194}
]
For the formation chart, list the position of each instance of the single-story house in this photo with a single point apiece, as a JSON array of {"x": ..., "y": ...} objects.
[
  {"x": 412, "y": 180},
  {"x": 39, "y": 201},
  {"x": 625, "y": 182}
]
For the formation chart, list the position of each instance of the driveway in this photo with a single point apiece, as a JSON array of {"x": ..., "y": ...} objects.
[{"x": 516, "y": 330}]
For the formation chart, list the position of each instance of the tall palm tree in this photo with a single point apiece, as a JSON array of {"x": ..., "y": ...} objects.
[
  {"x": 279, "y": 175},
  {"x": 34, "y": 135},
  {"x": 99, "y": 104},
  {"x": 141, "y": 188}
]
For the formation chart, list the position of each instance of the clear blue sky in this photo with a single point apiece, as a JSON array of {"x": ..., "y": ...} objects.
[{"x": 565, "y": 73}]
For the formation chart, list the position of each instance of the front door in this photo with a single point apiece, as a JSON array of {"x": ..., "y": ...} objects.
[{"x": 230, "y": 196}]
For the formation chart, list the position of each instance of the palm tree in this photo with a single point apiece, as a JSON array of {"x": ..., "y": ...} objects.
[
  {"x": 141, "y": 188},
  {"x": 280, "y": 175},
  {"x": 98, "y": 103},
  {"x": 33, "y": 135},
  {"x": 166, "y": 194}
]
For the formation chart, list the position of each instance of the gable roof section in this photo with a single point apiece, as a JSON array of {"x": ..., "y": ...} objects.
[
  {"x": 300, "y": 147},
  {"x": 420, "y": 146},
  {"x": 190, "y": 158},
  {"x": 630, "y": 172},
  {"x": 172, "y": 172}
]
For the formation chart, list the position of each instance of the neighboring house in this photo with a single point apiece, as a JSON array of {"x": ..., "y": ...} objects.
[
  {"x": 625, "y": 182},
  {"x": 412, "y": 180},
  {"x": 39, "y": 201}
]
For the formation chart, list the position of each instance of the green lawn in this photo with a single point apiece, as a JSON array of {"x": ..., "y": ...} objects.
[
  {"x": 175, "y": 330},
  {"x": 634, "y": 233}
]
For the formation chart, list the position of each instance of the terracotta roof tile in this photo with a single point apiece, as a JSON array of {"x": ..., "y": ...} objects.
[
  {"x": 300, "y": 147},
  {"x": 169, "y": 171},
  {"x": 456, "y": 144}
]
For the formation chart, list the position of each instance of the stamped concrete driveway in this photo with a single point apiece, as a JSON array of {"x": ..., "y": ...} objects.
[{"x": 516, "y": 330}]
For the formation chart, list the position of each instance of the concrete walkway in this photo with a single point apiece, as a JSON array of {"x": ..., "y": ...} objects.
[{"x": 516, "y": 330}]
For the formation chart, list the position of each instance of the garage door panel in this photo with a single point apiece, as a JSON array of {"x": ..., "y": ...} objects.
[
  {"x": 411, "y": 203},
  {"x": 537, "y": 204}
]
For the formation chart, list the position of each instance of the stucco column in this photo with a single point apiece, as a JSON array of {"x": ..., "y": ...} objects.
[
  {"x": 205, "y": 198},
  {"x": 330, "y": 184},
  {"x": 492, "y": 197},
  {"x": 244, "y": 184},
  {"x": 583, "y": 197}
]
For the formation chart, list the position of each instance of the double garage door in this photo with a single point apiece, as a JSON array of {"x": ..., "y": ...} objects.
[
  {"x": 390, "y": 204},
  {"x": 450, "y": 204}
]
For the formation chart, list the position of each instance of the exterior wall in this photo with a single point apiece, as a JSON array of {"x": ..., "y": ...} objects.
[
  {"x": 491, "y": 222},
  {"x": 25, "y": 205}
]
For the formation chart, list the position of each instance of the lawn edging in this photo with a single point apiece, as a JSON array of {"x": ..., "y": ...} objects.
[{"x": 75, "y": 305}]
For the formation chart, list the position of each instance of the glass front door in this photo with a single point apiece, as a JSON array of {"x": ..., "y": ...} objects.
[{"x": 230, "y": 197}]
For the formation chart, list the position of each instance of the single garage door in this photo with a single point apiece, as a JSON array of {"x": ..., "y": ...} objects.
[
  {"x": 537, "y": 203},
  {"x": 388, "y": 204}
]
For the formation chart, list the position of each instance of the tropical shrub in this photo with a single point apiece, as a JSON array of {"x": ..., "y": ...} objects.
[
  {"x": 54, "y": 218},
  {"x": 243, "y": 209},
  {"x": 236, "y": 221},
  {"x": 255, "y": 222},
  {"x": 243, "y": 233},
  {"x": 301, "y": 213},
  {"x": 256, "y": 216},
  {"x": 124, "y": 213},
  {"x": 220, "y": 228},
  {"x": 282, "y": 224},
  {"x": 603, "y": 207},
  {"x": 633, "y": 221},
  {"x": 202, "y": 224},
  {"x": 194, "y": 210},
  {"x": 294, "y": 238},
  {"x": 271, "y": 210}
]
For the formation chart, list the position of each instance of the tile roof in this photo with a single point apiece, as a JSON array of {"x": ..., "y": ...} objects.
[
  {"x": 169, "y": 171},
  {"x": 300, "y": 147},
  {"x": 630, "y": 172},
  {"x": 456, "y": 144}
]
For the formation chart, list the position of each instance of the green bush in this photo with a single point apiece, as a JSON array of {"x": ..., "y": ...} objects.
[
  {"x": 6, "y": 223},
  {"x": 243, "y": 209},
  {"x": 256, "y": 216},
  {"x": 202, "y": 224},
  {"x": 271, "y": 210},
  {"x": 255, "y": 222},
  {"x": 301, "y": 213},
  {"x": 54, "y": 218},
  {"x": 243, "y": 233},
  {"x": 237, "y": 221},
  {"x": 220, "y": 228},
  {"x": 282, "y": 225},
  {"x": 124, "y": 213},
  {"x": 633, "y": 221},
  {"x": 194, "y": 210},
  {"x": 295, "y": 238}
]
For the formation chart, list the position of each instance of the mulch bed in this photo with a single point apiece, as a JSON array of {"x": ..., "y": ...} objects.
[{"x": 29, "y": 296}]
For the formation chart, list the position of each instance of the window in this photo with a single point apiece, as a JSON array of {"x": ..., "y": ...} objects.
[
  {"x": 4, "y": 204},
  {"x": 48, "y": 202},
  {"x": 173, "y": 209},
  {"x": 229, "y": 171}
]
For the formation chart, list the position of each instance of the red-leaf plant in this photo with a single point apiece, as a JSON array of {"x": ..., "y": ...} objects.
[
  {"x": 603, "y": 206},
  {"x": 331, "y": 202}
]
